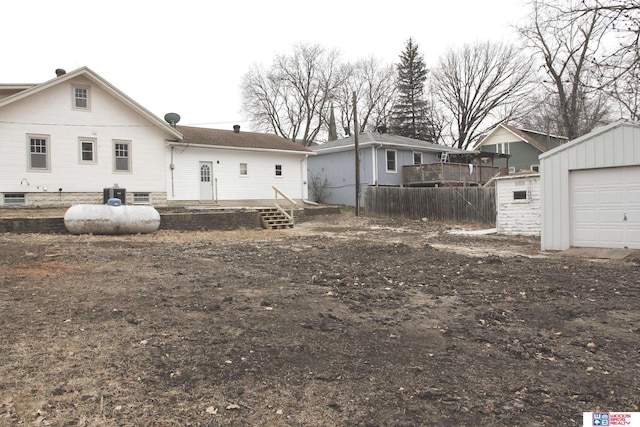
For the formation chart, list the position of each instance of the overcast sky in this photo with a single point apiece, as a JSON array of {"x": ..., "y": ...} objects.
[{"x": 189, "y": 56}]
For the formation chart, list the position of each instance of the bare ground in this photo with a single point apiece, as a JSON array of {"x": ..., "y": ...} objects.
[{"x": 341, "y": 321}]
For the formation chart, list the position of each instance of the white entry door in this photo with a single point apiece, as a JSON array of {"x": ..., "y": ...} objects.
[
  {"x": 206, "y": 181},
  {"x": 605, "y": 207}
]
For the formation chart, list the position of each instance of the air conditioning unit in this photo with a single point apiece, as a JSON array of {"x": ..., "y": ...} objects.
[{"x": 114, "y": 193}]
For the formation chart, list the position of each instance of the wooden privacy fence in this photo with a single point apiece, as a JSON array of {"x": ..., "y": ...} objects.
[{"x": 449, "y": 204}]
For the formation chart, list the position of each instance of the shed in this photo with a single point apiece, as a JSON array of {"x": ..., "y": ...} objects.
[
  {"x": 518, "y": 204},
  {"x": 591, "y": 190}
]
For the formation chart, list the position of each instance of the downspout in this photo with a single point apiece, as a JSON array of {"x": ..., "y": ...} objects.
[
  {"x": 374, "y": 158},
  {"x": 172, "y": 167}
]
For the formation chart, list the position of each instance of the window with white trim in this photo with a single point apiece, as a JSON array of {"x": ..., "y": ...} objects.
[
  {"x": 122, "y": 156},
  {"x": 88, "y": 150},
  {"x": 417, "y": 158},
  {"x": 14, "y": 199},
  {"x": 278, "y": 170},
  {"x": 503, "y": 148},
  {"x": 243, "y": 169},
  {"x": 81, "y": 100},
  {"x": 391, "y": 160},
  {"x": 38, "y": 149},
  {"x": 535, "y": 168}
]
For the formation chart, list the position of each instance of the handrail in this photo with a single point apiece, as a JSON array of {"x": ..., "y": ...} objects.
[{"x": 280, "y": 208}]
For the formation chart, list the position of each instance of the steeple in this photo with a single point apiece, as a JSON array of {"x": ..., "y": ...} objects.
[{"x": 333, "y": 132}]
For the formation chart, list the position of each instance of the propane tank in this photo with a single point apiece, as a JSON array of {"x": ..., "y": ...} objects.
[{"x": 111, "y": 218}]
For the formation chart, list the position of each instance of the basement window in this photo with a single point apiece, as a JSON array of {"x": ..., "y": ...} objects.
[
  {"x": 141, "y": 199},
  {"x": 520, "y": 195},
  {"x": 14, "y": 199}
]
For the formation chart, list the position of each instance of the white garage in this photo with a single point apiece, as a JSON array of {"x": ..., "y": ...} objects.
[{"x": 591, "y": 190}]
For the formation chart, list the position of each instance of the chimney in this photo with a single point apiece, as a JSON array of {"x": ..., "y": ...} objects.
[
  {"x": 236, "y": 128},
  {"x": 60, "y": 72}
]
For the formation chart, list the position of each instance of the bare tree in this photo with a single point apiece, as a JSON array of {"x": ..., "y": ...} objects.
[
  {"x": 623, "y": 19},
  {"x": 478, "y": 81},
  {"x": 374, "y": 85},
  {"x": 292, "y": 98},
  {"x": 567, "y": 44},
  {"x": 625, "y": 91}
]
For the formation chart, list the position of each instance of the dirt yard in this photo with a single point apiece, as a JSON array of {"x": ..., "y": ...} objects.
[{"x": 341, "y": 321}]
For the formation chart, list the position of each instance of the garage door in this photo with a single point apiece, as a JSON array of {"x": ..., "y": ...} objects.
[{"x": 605, "y": 207}]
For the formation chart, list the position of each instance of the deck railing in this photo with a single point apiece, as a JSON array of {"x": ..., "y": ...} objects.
[{"x": 439, "y": 173}]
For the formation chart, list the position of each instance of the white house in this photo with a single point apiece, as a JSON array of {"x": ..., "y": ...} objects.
[
  {"x": 591, "y": 190},
  {"x": 65, "y": 140},
  {"x": 230, "y": 167},
  {"x": 518, "y": 202}
]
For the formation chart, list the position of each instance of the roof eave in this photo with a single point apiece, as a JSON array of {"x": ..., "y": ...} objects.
[{"x": 231, "y": 147}]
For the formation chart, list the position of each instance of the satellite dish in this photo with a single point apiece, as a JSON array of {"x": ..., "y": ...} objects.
[{"x": 172, "y": 118}]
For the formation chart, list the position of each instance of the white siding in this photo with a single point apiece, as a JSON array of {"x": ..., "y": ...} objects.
[
  {"x": 520, "y": 217},
  {"x": 612, "y": 146},
  {"x": 184, "y": 182},
  {"x": 501, "y": 135},
  {"x": 49, "y": 112}
]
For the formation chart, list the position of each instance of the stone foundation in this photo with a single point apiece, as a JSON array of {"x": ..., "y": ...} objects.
[{"x": 66, "y": 199}]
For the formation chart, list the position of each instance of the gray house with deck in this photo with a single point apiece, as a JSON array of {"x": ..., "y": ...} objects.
[{"x": 331, "y": 172}]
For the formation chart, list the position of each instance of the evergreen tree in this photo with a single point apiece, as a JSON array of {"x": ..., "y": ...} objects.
[{"x": 411, "y": 113}]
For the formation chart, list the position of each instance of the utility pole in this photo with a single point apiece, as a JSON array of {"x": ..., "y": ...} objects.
[{"x": 357, "y": 154}]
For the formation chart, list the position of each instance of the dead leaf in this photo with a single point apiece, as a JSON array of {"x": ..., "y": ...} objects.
[
  {"x": 213, "y": 411},
  {"x": 232, "y": 406}
]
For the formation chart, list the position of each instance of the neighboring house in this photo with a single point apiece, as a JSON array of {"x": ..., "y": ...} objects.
[
  {"x": 518, "y": 204},
  {"x": 66, "y": 140},
  {"x": 230, "y": 167},
  {"x": 591, "y": 190},
  {"x": 521, "y": 147},
  {"x": 381, "y": 156}
]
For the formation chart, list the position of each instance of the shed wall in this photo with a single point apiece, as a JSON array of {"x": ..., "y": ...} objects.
[{"x": 518, "y": 217}]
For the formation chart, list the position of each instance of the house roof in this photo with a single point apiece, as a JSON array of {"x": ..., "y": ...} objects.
[
  {"x": 243, "y": 140},
  {"x": 375, "y": 138},
  {"x": 541, "y": 141},
  {"x": 29, "y": 90}
]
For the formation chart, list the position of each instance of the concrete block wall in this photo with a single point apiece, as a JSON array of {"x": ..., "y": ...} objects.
[{"x": 189, "y": 221}]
